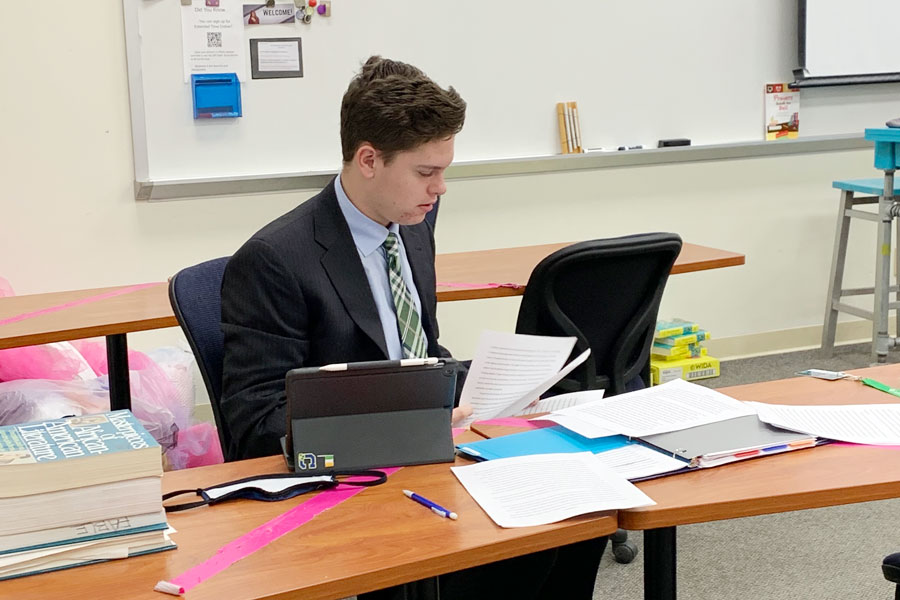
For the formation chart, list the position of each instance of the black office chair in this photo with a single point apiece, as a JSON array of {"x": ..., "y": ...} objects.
[
  {"x": 605, "y": 293},
  {"x": 195, "y": 293},
  {"x": 890, "y": 566}
]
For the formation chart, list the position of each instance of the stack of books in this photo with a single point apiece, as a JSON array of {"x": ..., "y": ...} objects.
[
  {"x": 678, "y": 352},
  {"x": 78, "y": 490}
]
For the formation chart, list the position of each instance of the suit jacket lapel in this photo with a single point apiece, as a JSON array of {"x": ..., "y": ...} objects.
[{"x": 341, "y": 263}]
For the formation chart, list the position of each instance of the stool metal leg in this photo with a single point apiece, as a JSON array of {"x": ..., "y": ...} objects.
[
  {"x": 896, "y": 280},
  {"x": 836, "y": 279},
  {"x": 881, "y": 339}
]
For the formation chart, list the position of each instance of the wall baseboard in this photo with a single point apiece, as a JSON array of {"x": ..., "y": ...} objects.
[{"x": 788, "y": 340}]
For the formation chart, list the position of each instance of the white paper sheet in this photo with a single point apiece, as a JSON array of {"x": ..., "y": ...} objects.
[
  {"x": 553, "y": 403},
  {"x": 546, "y": 488},
  {"x": 857, "y": 423},
  {"x": 512, "y": 370},
  {"x": 671, "y": 406},
  {"x": 572, "y": 423},
  {"x": 278, "y": 56},
  {"x": 633, "y": 461},
  {"x": 213, "y": 39}
]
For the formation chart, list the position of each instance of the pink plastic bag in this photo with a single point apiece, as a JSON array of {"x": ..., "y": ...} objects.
[
  {"x": 71, "y": 378},
  {"x": 51, "y": 361},
  {"x": 152, "y": 390},
  {"x": 197, "y": 446}
]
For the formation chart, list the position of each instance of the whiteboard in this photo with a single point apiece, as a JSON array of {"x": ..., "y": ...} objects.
[
  {"x": 640, "y": 71},
  {"x": 851, "y": 38}
]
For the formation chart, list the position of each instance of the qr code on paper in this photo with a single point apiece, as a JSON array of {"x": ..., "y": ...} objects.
[{"x": 213, "y": 39}]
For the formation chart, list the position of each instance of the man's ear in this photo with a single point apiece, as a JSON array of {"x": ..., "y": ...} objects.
[{"x": 366, "y": 158}]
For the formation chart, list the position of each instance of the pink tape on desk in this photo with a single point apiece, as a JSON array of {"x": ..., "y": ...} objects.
[
  {"x": 864, "y": 445},
  {"x": 517, "y": 422},
  {"x": 457, "y": 284},
  {"x": 88, "y": 300},
  {"x": 266, "y": 533},
  {"x": 457, "y": 430}
]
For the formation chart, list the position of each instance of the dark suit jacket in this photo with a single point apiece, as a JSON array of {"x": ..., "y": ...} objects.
[{"x": 296, "y": 295}]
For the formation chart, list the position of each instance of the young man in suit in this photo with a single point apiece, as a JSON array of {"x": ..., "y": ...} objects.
[{"x": 349, "y": 276}]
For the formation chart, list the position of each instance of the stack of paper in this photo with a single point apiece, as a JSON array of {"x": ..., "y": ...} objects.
[
  {"x": 510, "y": 371},
  {"x": 668, "y": 407}
]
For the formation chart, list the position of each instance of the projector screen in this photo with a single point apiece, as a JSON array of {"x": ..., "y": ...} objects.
[{"x": 853, "y": 42}]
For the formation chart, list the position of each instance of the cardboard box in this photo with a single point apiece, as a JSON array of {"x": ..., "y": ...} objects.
[{"x": 689, "y": 369}]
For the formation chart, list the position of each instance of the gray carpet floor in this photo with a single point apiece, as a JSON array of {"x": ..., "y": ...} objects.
[{"x": 824, "y": 554}]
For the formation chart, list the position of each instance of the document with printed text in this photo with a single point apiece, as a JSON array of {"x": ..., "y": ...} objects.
[
  {"x": 561, "y": 401},
  {"x": 545, "y": 488},
  {"x": 668, "y": 407},
  {"x": 634, "y": 461},
  {"x": 510, "y": 371},
  {"x": 857, "y": 423}
]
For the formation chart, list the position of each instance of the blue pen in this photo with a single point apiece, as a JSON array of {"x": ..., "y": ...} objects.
[{"x": 437, "y": 508}]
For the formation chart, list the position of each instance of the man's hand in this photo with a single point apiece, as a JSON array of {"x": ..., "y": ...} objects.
[{"x": 460, "y": 414}]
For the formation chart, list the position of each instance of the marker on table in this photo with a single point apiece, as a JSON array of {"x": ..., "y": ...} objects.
[{"x": 437, "y": 508}]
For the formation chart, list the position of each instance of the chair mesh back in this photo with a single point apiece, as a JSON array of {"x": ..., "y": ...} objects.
[
  {"x": 195, "y": 294},
  {"x": 607, "y": 294}
]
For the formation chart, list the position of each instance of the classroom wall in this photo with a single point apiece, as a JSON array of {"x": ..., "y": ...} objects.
[{"x": 69, "y": 219}]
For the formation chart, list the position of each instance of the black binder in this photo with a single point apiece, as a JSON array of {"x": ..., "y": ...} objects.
[{"x": 368, "y": 415}]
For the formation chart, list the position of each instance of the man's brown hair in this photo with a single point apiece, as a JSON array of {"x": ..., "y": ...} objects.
[{"x": 395, "y": 107}]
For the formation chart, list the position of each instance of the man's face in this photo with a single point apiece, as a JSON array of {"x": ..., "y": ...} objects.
[{"x": 404, "y": 190}]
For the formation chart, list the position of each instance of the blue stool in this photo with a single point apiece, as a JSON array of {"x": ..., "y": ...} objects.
[{"x": 875, "y": 191}]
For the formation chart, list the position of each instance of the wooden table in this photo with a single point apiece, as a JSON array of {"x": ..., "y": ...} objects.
[
  {"x": 824, "y": 476},
  {"x": 111, "y": 312},
  {"x": 464, "y": 275},
  {"x": 375, "y": 539},
  {"x": 117, "y": 311}
]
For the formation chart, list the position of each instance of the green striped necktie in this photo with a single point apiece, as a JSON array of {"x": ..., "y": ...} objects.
[{"x": 409, "y": 325}]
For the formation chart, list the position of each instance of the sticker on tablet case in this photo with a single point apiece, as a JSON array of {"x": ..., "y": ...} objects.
[{"x": 307, "y": 461}]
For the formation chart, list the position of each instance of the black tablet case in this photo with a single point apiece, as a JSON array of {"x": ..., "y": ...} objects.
[{"x": 376, "y": 416}]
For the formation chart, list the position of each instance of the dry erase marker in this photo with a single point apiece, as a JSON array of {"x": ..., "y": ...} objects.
[
  {"x": 437, "y": 508},
  {"x": 169, "y": 588}
]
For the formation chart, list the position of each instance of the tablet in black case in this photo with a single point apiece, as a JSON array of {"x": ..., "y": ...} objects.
[{"x": 375, "y": 414}]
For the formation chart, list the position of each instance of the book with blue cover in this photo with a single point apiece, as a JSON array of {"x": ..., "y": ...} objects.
[
  {"x": 74, "y": 452},
  {"x": 674, "y": 327}
]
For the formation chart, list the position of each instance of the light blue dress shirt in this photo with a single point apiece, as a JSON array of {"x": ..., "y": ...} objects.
[{"x": 369, "y": 237}]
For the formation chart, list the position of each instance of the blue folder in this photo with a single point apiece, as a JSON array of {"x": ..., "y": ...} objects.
[{"x": 550, "y": 440}]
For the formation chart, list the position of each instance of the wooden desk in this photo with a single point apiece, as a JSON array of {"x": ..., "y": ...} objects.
[
  {"x": 116, "y": 311},
  {"x": 111, "y": 312},
  {"x": 375, "y": 539},
  {"x": 824, "y": 476},
  {"x": 470, "y": 271}
]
